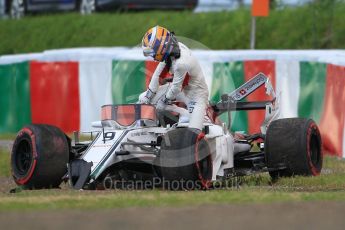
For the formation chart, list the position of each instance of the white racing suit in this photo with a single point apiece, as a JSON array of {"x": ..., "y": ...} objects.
[{"x": 188, "y": 86}]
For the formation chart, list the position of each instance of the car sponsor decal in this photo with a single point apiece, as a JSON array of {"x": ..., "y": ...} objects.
[{"x": 248, "y": 87}]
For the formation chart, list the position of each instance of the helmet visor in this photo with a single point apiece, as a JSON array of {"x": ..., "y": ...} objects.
[{"x": 148, "y": 52}]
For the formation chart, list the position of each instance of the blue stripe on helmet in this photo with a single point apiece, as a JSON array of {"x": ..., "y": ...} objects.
[{"x": 156, "y": 45}]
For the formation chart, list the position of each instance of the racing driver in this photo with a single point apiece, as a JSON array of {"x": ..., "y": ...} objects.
[{"x": 188, "y": 82}]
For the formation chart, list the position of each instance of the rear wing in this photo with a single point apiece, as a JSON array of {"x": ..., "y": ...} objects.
[
  {"x": 249, "y": 87},
  {"x": 232, "y": 101}
]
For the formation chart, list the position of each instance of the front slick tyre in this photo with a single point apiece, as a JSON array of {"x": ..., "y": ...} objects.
[
  {"x": 185, "y": 160},
  {"x": 293, "y": 147},
  {"x": 39, "y": 157}
]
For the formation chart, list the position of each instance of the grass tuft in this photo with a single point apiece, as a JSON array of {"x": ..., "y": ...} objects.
[{"x": 4, "y": 163}]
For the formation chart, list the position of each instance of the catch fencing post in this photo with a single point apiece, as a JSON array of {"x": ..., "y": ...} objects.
[
  {"x": 260, "y": 8},
  {"x": 252, "y": 33}
]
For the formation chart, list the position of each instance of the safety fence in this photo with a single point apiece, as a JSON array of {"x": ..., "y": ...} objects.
[{"x": 67, "y": 88}]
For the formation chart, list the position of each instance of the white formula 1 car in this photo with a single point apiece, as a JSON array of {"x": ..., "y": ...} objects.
[{"x": 134, "y": 143}]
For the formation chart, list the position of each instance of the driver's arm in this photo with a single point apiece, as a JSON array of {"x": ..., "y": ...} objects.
[
  {"x": 154, "y": 83},
  {"x": 176, "y": 86}
]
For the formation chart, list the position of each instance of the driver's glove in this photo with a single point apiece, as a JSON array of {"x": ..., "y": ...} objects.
[
  {"x": 146, "y": 99},
  {"x": 162, "y": 103}
]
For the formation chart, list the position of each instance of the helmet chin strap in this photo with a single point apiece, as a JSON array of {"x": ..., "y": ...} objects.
[{"x": 175, "y": 52}]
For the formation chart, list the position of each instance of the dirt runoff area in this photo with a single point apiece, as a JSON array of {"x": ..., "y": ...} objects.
[{"x": 305, "y": 215}]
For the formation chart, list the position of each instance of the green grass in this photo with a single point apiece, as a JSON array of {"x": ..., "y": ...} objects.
[
  {"x": 331, "y": 179},
  {"x": 7, "y": 136},
  {"x": 309, "y": 27},
  {"x": 120, "y": 199},
  {"x": 4, "y": 163},
  {"x": 330, "y": 186}
]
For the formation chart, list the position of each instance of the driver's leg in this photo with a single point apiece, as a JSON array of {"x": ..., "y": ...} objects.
[{"x": 197, "y": 110}]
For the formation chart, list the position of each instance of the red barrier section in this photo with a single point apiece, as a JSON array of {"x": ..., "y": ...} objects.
[
  {"x": 333, "y": 118},
  {"x": 54, "y": 91},
  {"x": 251, "y": 68},
  {"x": 150, "y": 67}
]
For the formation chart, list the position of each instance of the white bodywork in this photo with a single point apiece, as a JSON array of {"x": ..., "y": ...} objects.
[{"x": 101, "y": 151}]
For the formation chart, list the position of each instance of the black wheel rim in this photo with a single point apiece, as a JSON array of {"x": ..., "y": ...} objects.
[{"x": 23, "y": 157}]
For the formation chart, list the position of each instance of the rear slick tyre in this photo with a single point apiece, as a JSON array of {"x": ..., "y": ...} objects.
[{"x": 293, "y": 147}]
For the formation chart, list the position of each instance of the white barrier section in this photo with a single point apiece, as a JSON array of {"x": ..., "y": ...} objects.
[
  {"x": 287, "y": 86},
  {"x": 336, "y": 57},
  {"x": 94, "y": 89}
]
